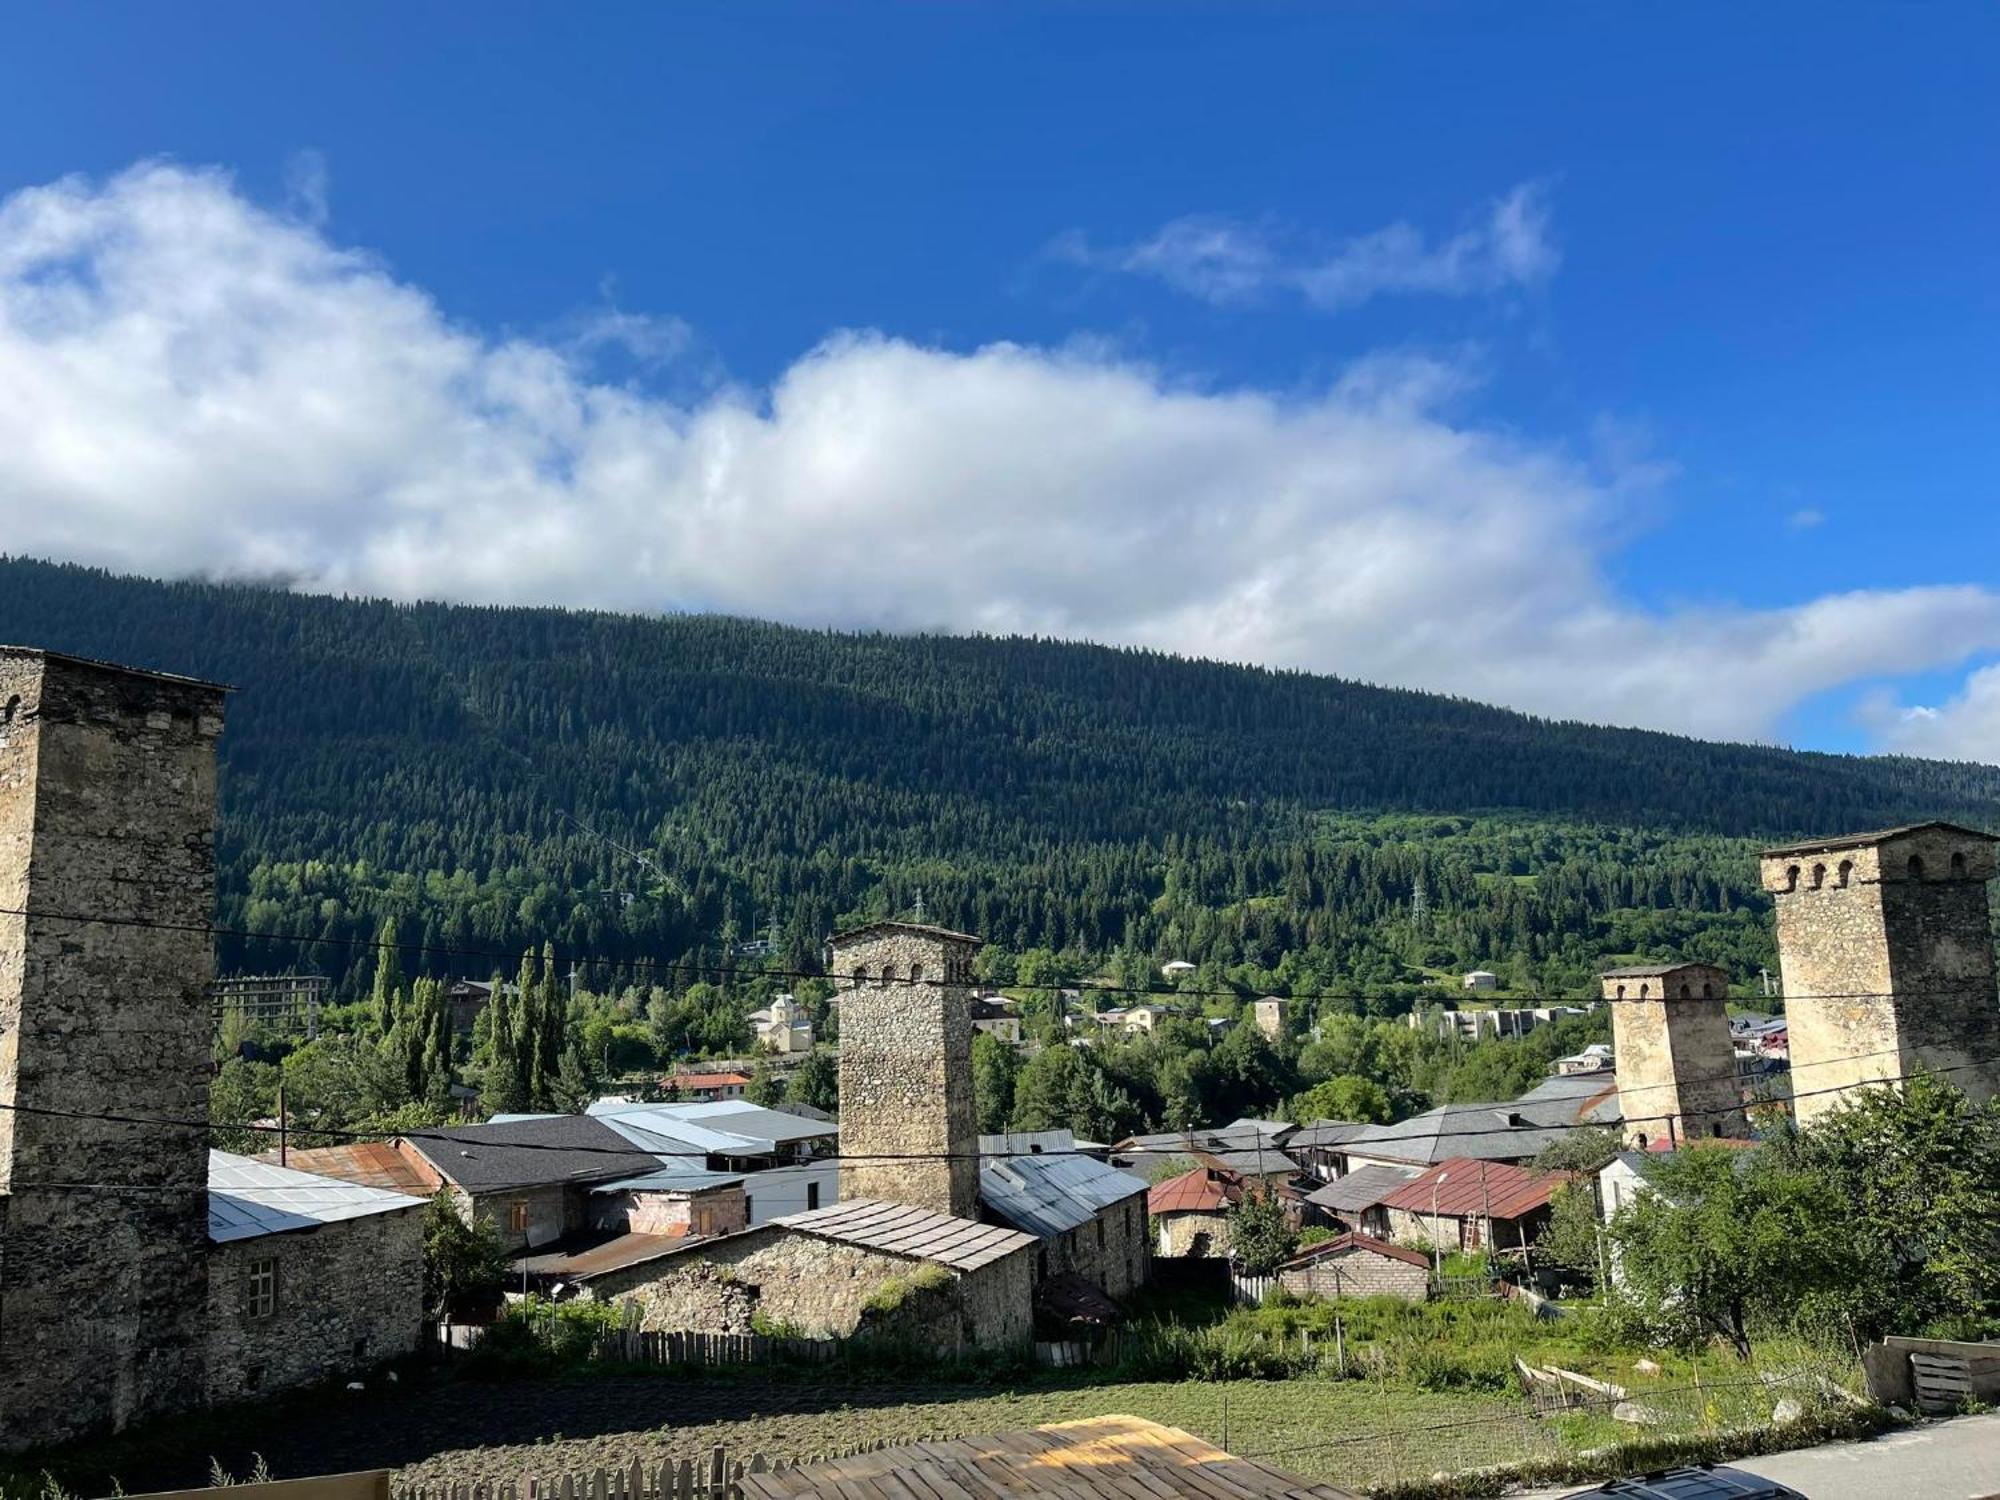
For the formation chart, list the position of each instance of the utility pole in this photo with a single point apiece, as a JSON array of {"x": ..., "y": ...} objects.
[{"x": 283, "y": 1144}]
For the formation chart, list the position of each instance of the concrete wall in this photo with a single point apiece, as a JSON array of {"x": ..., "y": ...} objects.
[
  {"x": 1886, "y": 1368},
  {"x": 822, "y": 1288},
  {"x": 349, "y": 1295},
  {"x": 1677, "y": 1076},
  {"x": 778, "y": 1191},
  {"x": 107, "y": 808},
  {"x": 1357, "y": 1273},
  {"x": 906, "y": 1070},
  {"x": 1887, "y": 965}
]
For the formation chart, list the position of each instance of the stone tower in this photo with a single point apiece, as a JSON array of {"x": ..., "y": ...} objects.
[
  {"x": 1676, "y": 1064},
  {"x": 1886, "y": 952},
  {"x": 906, "y": 1066},
  {"x": 107, "y": 810}
]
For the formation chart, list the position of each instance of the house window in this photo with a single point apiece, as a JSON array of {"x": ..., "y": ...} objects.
[
  {"x": 812, "y": 1195},
  {"x": 261, "y": 1297},
  {"x": 1100, "y": 1234},
  {"x": 517, "y": 1216},
  {"x": 749, "y": 1212}
]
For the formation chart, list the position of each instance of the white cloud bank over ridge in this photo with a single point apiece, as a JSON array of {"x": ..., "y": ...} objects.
[
  {"x": 1225, "y": 261},
  {"x": 195, "y": 385}
]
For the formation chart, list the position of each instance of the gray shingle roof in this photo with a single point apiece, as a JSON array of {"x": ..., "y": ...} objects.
[
  {"x": 1324, "y": 1133},
  {"x": 530, "y": 1153},
  {"x": 248, "y": 1198},
  {"x": 902, "y": 1229}
]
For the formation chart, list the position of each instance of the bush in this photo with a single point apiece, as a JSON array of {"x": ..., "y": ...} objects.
[{"x": 536, "y": 1337}]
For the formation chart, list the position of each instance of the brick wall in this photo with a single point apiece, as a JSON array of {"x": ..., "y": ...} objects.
[
  {"x": 1358, "y": 1273},
  {"x": 349, "y": 1295}
]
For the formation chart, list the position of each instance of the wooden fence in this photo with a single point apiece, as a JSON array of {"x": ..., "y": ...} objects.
[
  {"x": 717, "y": 1478},
  {"x": 631, "y": 1346}
]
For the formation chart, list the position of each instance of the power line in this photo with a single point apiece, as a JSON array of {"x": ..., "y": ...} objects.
[{"x": 701, "y": 970}]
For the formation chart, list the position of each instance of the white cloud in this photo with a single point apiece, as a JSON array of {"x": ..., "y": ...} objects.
[
  {"x": 1965, "y": 727},
  {"x": 1226, "y": 261},
  {"x": 196, "y": 385},
  {"x": 1806, "y": 519}
]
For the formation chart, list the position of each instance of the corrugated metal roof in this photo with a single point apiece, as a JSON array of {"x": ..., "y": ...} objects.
[
  {"x": 1517, "y": 1131},
  {"x": 1049, "y": 1195},
  {"x": 723, "y": 1128},
  {"x": 247, "y": 1199},
  {"x": 920, "y": 929},
  {"x": 1324, "y": 1133},
  {"x": 376, "y": 1164},
  {"x": 1364, "y": 1187},
  {"x": 903, "y": 1229},
  {"x": 1347, "y": 1244},
  {"x": 669, "y": 1180},
  {"x": 1201, "y": 1191},
  {"x": 1465, "y": 1188},
  {"x": 615, "y": 1254}
]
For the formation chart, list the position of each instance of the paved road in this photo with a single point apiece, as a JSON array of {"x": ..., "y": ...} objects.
[{"x": 1955, "y": 1460}]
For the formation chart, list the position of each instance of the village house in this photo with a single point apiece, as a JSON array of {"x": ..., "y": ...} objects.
[
  {"x": 784, "y": 1157},
  {"x": 1595, "y": 1058},
  {"x": 1269, "y": 1014},
  {"x": 1481, "y": 979},
  {"x": 1357, "y": 1265},
  {"x": 1247, "y": 1147},
  {"x": 704, "y": 1088},
  {"x": 1466, "y": 1204},
  {"x": 1516, "y": 1132},
  {"x": 1088, "y": 1218},
  {"x": 1315, "y": 1147},
  {"x": 1355, "y": 1201},
  {"x": 1190, "y": 1212},
  {"x": 994, "y": 1015}
]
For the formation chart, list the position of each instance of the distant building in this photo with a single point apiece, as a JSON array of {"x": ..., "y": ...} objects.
[
  {"x": 1487, "y": 1023},
  {"x": 1357, "y": 1265},
  {"x": 1178, "y": 968},
  {"x": 1596, "y": 1058},
  {"x": 782, "y": 1026},
  {"x": 994, "y": 1015},
  {"x": 1354, "y": 1202},
  {"x": 1270, "y": 1015},
  {"x": 1466, "y": 1204},
  {"x": 706, "y": 1088},
  {"x": 288, "y": 1003},
  {"x": 1481, "y": 979},
  {"x": 1554, "y": 1110}
]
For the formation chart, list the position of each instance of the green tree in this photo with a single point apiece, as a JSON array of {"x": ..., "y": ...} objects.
[
  {"x": 765, "y": 1087},
  {"x": 1261, "y": 1236},
  {"x": 994, "y": 1065},
  {"x": 243, "y": 1093},
  {"x": 1722, "y": 1242},
  {"x": 816, "y": 1082},
  {"x": 465, "y": 1265},
  {"x": 1585, "y": 1152},
  {"x": 1046, "y": 1087},
  {"x": 1348, "y": 1097}
]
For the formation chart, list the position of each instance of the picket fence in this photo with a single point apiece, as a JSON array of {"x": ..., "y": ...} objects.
[{"x": 718, "y": 1478}]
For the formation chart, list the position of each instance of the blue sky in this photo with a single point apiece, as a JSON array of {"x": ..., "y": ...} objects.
[{"x": 1698, "y": 302}]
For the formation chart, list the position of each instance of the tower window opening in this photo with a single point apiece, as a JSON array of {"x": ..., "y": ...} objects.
[
  {"x": 1792, "y": 878},
  {"x": 13, "y": 707},
  {"x": 1708, "y": 992},
  {"x": 1819, "y": 876},
  {"x": 1916, "y": 867},
  {"x": 1686, "y": 993},
  {"x": 1846, "y": 872},
  {"x": 1645, "y": 991},
  {"x": 1958, "y": 866}
]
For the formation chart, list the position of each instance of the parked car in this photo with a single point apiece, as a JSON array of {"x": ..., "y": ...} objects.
[{"x": 1702, "y": 1483}]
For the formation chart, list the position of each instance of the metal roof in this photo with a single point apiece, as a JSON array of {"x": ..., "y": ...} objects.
[
  {"x": 1879, "y": 835},
  {"x": 904, "y": 1229},
  {"x": 1324, "y": 1133},
  {"x": 726, "y": 1127},
  {"x": 1049, "y": 1195},
  {"x": 579, "y": 1263},
  {"x": 1347, "y": 1244},
  {"x": 247, "y": 1199},
  {"x": 376, "y": 1164},
  {"x": 1464, "y": 1188},
  {"x": 669, "y": 1180},
  {"x": 1362, "y": 1188},
  {"x": 1201, "y": 1191},
  {"x": 1517, "y": 1131},
  {"x": 1097, "y": 1458},
  {"x": 527, "y": 1153}
]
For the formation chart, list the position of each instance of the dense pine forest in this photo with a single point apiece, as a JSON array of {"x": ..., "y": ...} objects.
[{"x": 651, "y": 791}]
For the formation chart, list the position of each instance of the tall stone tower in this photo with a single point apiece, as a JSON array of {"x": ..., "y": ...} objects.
[
  {"x": 1886, "y": 952},
  {"x": 107, "y": 810},
  {"x": 1676, "y": 1064},
  {"x": 906, "y": 1066}
]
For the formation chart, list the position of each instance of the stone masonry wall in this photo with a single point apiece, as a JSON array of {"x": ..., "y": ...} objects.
[
  {"x": 1676, "y": 1063},
  {"x": 906, "y": 1071},
  {"x": 1179, "y": 1233},
  {"x": 819, "y": 1287},
  {"x": 349, "y": 1295},
  {"x": 107, "y": 809},
  {"x": 1113, "y": 1250},
  {"x": 1887, "y": 964}
]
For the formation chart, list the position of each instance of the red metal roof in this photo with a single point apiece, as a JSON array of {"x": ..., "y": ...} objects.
[
  {"x": 1469, "y": 1189},
  {"x": 1201, "y": 1191},
  {"x": 1351, "y": 1242}
]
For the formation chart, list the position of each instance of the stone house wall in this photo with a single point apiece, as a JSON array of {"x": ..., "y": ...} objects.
[
  {"x": 906, "y": 1069},
  {"x": 1886, "y": 955},
  {"x": 1193, "y": 1234},
  {"x": 1113, "y": 1249},
  {"x": 1470, "y": 1233},
  {"x": 822, "y": 1289},
  {"x": 107, "y": 806},
  {"x": 1357, "y": 1273},
  {"x": 349, "y": 1295}
]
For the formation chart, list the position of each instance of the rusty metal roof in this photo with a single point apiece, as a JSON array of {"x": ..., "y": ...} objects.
[
  {"x": 376, "y": 1164},
  {"x": 1098, "y": 1458},
  {"x": 1201, "y": 1191},
  {"x": 1348, "y": 1244},
  {"x": 903, "y": 1229},
  {"x": 1470, "y": 1189}
]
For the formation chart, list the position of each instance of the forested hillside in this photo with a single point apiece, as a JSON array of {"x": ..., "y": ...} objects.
[{"x": 472, "y": 773}]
